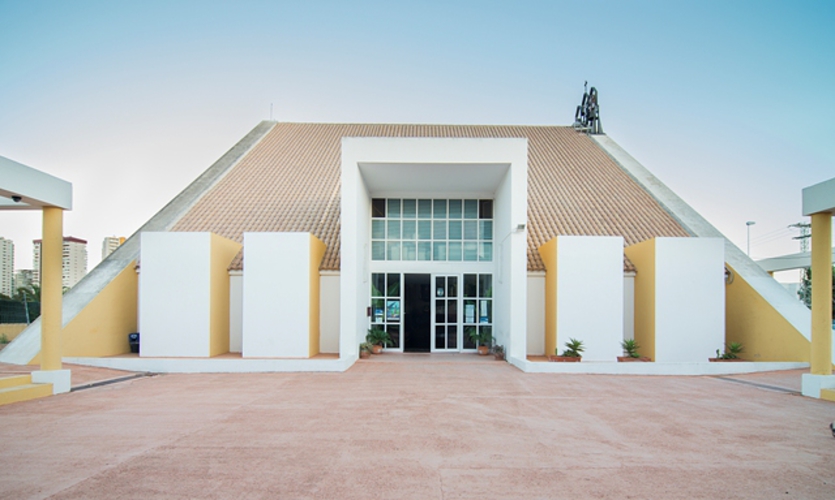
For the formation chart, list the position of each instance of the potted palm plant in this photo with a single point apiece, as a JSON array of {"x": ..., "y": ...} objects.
[
  {"x": 732, "y": 352},
  {"x": 630, "y": 349},
  {"x": 482, "y": 339},
  {"x": 572, "y": 352},
  {"x": 378, "y": 338}
]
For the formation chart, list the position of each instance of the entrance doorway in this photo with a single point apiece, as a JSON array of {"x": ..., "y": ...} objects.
[
  {"x": 417, "y": 321},
  {"x": 425, "y": 312}
]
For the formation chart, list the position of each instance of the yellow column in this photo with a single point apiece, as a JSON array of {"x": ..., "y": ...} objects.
[
  {"x": 821, "y": 355},
  {"x": 51, "y": 288}
]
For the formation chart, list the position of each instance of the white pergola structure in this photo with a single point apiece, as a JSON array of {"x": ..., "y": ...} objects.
[
  {"x": 819, "y": 203},
  {"x": 25, "y": 188}
]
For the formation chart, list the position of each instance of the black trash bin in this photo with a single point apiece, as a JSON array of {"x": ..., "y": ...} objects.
[{"x": 133, "y": 340}]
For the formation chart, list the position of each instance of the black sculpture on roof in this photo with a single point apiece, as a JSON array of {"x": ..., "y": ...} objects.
[{"x": 587, "y": 116}]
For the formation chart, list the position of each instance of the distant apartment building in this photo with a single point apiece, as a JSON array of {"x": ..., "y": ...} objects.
[
  {"x": 6, "y": 266},
  {"x": 22, "y": 279},
  {"x": 74, "y": 261},
  {"x": 110, "y": 244}
]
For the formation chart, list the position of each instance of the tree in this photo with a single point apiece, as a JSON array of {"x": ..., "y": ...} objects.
[
  {"x": 804, "y": 293},
  {"x": 31, "y": 293}
]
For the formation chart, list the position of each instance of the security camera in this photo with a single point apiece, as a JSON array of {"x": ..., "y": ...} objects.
[{"x": 16, "y": 199}]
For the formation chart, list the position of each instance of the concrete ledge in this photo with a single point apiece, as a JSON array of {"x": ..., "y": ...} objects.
[
  {"x": 812, "y": 384},
  {"x": 209, "y": 365},
  {"x": 60, "y": 379},
  {"x": 692, "y": 369}
]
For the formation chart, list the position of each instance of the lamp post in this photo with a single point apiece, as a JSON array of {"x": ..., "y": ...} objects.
[{"x": 748, "y": 227}]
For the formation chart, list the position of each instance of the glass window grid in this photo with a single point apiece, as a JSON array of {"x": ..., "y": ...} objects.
[
  {"x": 477, "y": 291},
  {"x": 446, "y": 319},
  {"x": 437, "y": 230},
  {"x": 385, "y": 288}
]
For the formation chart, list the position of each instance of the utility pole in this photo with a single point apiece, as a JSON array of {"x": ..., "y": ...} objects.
[{"x": 805, "y": 233}]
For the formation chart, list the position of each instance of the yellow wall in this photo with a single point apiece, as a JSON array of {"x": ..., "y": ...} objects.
[
  {"x": 12, "y": 330},
  {"x": 102, "y": 327},
  {"x": 764, "y": 333},
  {"x": 317, "y": 251},
  {"x": 548, "y": 251},
  {"x": 642, "y": 256},
  {"x": 223, "y": 251}
]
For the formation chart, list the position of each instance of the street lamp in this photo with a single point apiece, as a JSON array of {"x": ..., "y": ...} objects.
[{"x": 749, "y": 224}]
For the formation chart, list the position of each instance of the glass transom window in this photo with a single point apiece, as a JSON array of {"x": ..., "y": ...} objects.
[{"x": 432, "y": 230}]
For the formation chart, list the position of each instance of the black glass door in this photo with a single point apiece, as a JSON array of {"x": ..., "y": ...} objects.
[{"x": 417, "y": 319}]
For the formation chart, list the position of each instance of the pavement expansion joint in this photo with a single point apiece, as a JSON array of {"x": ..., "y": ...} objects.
[
  {"x": 761, "y": 386},
  {"x": 111, "y": 381}
]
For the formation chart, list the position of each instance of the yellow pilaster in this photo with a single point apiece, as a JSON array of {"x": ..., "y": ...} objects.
[
  {"x": 51, "y": 287},
  {"x": 548, "y": 251},
  {"x": 821, "y": 356}
]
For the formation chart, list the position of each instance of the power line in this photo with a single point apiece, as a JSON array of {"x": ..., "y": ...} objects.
[{"x": 779, "y": 233}]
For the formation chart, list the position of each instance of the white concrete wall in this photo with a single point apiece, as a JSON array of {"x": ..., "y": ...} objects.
[
  {"x": 689, "y": 299},
  {"x": 590, "y": 294},
  {"x": 629, "y": 306},
  {"x": 174, "y": 287},
  {"x": 511, "y": 288},
  {"x": 355, "y": 232},
  {"x": 236, "y": 305},
  {"x": 329, "y": 313},
  {"x": 536, "y": 313},
  {"x": 276, "y": 295}
]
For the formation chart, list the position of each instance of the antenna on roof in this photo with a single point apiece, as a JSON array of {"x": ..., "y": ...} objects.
[{"x": 587, "y": 116}]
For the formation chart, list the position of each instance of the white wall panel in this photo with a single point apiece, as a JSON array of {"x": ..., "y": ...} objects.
[
  {"x": 276, "y": 294},
  {"x": 536, "y": 314},
  {"x": 629, "y": 306},
  {"x": 329, "y": 314},
  {"x": 689, "y": 299},
  {"x": 236, "y": 304},
  {"x": 175, "y": 294},
  {"x": 590, "y": 294}
]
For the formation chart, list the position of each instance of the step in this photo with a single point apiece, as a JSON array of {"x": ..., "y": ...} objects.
[
  {"x": 828, "y": 394},
  {"x": 26, "y": 392},
  {"x": 15, "y": 380}
]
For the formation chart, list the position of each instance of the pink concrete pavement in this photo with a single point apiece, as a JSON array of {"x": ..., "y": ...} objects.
[{"x": 420, "y": 427}]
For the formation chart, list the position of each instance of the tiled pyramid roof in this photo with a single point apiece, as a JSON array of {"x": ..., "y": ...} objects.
[{"x": 290, "y": 181}]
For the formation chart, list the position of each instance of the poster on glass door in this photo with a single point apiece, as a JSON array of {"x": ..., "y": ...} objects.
[{"x": 469, "y": 313}]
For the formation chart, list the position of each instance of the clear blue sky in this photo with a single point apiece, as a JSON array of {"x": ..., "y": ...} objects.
[{"x": 730, "y": 104}]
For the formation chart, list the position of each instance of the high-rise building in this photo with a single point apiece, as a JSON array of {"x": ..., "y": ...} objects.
[
  {"x": 73, "y": 265},
  {"x": 22, "y": 279},
  {"x": 6, "y": 266},
  {"x": 110, "y": 244}
]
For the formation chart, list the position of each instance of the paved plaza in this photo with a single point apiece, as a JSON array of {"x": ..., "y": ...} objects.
[{"x": 423, "y": 427}]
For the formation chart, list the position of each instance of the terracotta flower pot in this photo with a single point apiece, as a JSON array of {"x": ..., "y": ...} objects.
[
  {"x": 565, "y": 359},
  {"x": 499, "y": 356},
  {"x": 630, "y": 359},
  {"x": 483, "y": 350},
  {"x": 376, "y": 349},
  {"x": 365, "y": 354}
]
